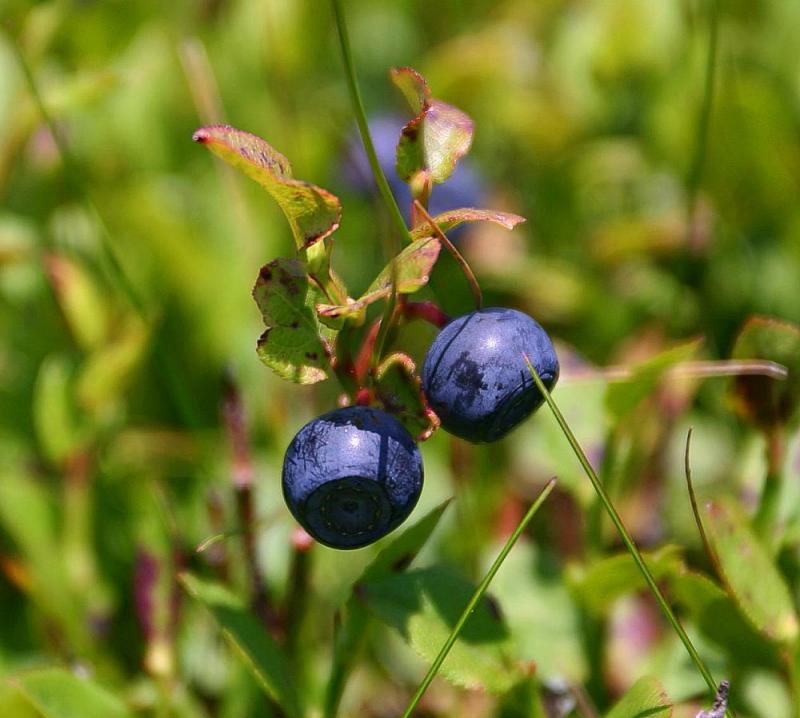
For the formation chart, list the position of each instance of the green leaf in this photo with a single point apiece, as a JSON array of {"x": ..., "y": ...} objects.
[
  {"x": 647, "y": 698},
  {"x": 399, "y": 390},
  {"x": 764, "y": 401},
  {"x": 541, "y": 613},
  {"x": 292, "y": 345},
  {"x": 82, "y": 304},
  {"x": 394, "y": 557},
  {"x": 454, "y": 217},
  {"x": 413, "y": 266},
  {"x": 623, "y": 397},
  {"x": 250, "y": 640},
  {"x": 425, "y": 604},
  {"x": 718, "y": 617},
  {"x": 60, "y": 429},
  {"x": 313, "y": 213},
  {"x": 749, "y": 574},
  {"x": 436, "y": 138},
  {"x": 57, "y": 693},
  {"x": 611, "y": 578}
]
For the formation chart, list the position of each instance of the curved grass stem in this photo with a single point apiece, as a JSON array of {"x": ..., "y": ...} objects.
[
  {"x": 476, "y": 597},
  {"x": 624, "y": 535},
  {"x": 391, "y": 244}
]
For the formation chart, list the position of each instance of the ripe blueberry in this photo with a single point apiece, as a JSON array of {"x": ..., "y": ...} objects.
[
  {"x": 475, "y": 376},
  {"x": 351, "y": 476}
]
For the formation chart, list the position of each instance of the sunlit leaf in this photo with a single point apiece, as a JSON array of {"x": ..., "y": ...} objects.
[
  {"x": 749, "y": 574},
  {"x": 57, "y": 693},
  {"x": 610, "y": 578},
  {"x": 82, "y": 304},
  {"x": 542, "y": 615},
  {"x": 60, "y": 428},
  {"x": 313, "y": 213},
  {"x": 250, "y": 640},
  {"x": 762, "y": 400},
  {"x": 623, "y": 397},
  {"x": 647, "y": 698},
  {"x": 424, "y": 605},
  {"x": 454, "y": 217},
  {"x": 413, "y": 266},
  {"x": 400, "y": 391},
  {"x": 436, "y": 138},
  {"x": 292, "y": 345}
]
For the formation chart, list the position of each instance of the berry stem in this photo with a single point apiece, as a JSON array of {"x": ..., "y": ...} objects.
[
  {"x": 623, "y": 532},
  {"x": 476, "y": 597},
  {"x": 468, "y": 273}
]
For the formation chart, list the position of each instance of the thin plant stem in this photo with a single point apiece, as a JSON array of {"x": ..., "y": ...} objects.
[
  {"x": 468, "y": 273},
  {"x": 704, "y": 120},
  {"x": 623, "y": 532},
  {"x": 391, "y": 244},
  {"x": 709, "y": 549},
  {"x": 690, "y": 369},
  {"x": 476, "y": 597}
]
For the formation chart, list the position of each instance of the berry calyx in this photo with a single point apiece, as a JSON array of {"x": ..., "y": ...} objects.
[{"x": 351, "y": 476}]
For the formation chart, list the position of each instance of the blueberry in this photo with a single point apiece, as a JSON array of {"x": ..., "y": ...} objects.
[
  {"x": 462, "y": 189},
  {"x": 351, "y": 476},
  {"x": 475, "y": 376}
]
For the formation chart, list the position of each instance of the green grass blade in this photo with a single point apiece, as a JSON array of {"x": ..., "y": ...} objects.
[
  {"x": 623, "y": 532},
  {"x": 476, "y": 597}
]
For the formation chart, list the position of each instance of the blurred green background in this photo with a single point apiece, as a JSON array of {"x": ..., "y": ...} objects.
[{"x": 126, "y": 265}]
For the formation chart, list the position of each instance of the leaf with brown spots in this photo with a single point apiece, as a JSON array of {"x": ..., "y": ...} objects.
[
  {"x": 454, "y": 217},
  {"x": 400, "y": 391},
  {"x": 413, "y": 265},
  {"x": 294, "y": 343},
  {"x": 437, "y": 137},
  {"x": 749, "y": 574},
  {"x": 313, "y": 213},
  {"x": 766, "y": 402}
]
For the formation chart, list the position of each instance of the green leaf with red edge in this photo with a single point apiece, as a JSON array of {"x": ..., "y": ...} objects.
[
  {"x": 295, "y": 343},
  {"x": 313, "y": 213},
  {"x": 436, "y": 138},
  {"x": 399, "y": 390},
  {"x": 748, "y": 572},
  {"x": 454, "y": 217},
  {"x": 762, "y": 400},
  {"x": 647, "y": 698},
  {"x": 413, "y": 266}
]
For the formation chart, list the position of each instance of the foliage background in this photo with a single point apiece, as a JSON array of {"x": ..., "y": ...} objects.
[{"x": 115, "y": 458}]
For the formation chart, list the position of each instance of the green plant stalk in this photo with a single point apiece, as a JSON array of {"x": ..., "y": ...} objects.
[
  {"x": 476, "y": 597},
  {"x": 623, "y": 532},
  {"x": 390, "y": 243},
  {"x": 765, "y": 520},
  {"x": 701, "y": 146}
]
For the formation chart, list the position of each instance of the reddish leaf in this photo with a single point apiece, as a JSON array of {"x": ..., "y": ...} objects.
[
  {"x": 313, "y": 212},
  {"x": 436, "y": 138},
  {"x": 454, "y": 217}
]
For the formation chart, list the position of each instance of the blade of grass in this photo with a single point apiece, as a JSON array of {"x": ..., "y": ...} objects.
[
  {"x": 704, "y": 120},
  {"x": 712, "y": 557},
  {"x": 391, "y": 244},
  {"x": 476, "y": 597},
  {"x": 623, "y": 532}
]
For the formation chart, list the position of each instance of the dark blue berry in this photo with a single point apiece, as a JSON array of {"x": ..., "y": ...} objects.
[
  {"x": 462, "y": 189},
  {"x": 475, "y": 376},
  {"x": 351, "y": 476}
]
